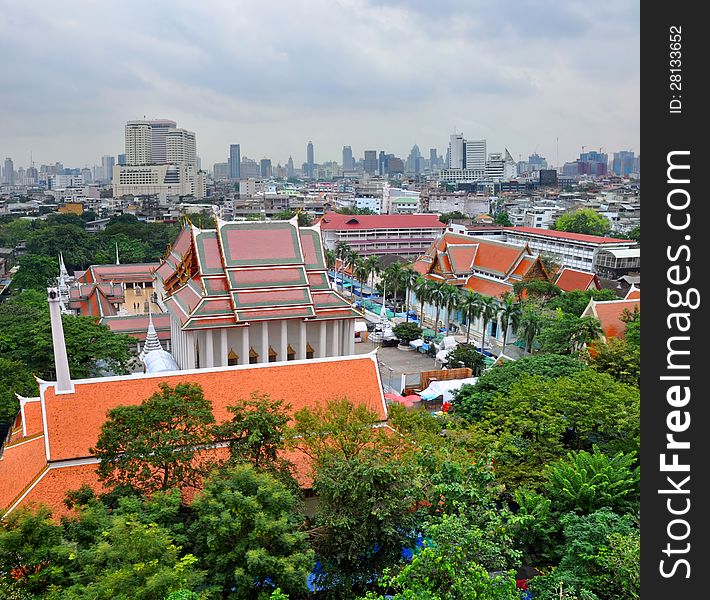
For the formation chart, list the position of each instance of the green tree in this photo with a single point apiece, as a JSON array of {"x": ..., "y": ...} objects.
[
  {"x": 130, "y": 250},
  {"x": 466, "y": 355},
  {"x": 535, "y": 289},
  {"x": 489, "y": 311},
  {"x": 531, "y": 323},
  {"x": 256, "y": 431},
  {"x": 15, "y": 378},
  {"x": 584, "y": 220},
  {"x": 26, "y": 337},
  {"x": 455, "y": 215},
  {"x": 409, "y": 280},
  {"x": 304, "y": 219},
  {"x": 407, "y": 332},
  {"x": 36, "y": 272},
  {"x": 32, "y": 556},
  {"x": 247, "y": 535},
  {"x": 131, "y": 560},
  {"x": 576, "y": 301},
  {"x": 567, "y": 334},
  {"x": 509, "y": 313},
  {"x": 471, "y": 401},
  {"x": 155, "y": 445},
  {"x": 502, "y": 218},
  {"x": 618, "y": 358},
  {"x": 632, "y": 333},
  {"x": 470, "y": 306},
  {"x": 72, "y": 241},
  {"x": 448, "y": 567}
]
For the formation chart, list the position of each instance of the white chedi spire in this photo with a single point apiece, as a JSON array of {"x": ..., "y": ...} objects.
[
  {"x": 152, "y": 342},
  {"x": 118, "y": 262},
  {"x": 63, "y": 285}
]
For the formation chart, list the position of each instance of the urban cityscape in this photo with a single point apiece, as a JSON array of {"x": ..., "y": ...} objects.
[{"x": 322, "y": 362}]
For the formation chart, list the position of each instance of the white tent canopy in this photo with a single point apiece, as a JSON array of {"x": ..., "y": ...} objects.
[
  {"x": 360, "y": 326},
  {"x": 445, "y": 388}
]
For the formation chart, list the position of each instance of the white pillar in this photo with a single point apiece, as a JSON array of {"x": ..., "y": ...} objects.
[
  {"x": 244, "y": 358},
  {"x": 223, "y": 347},
  {"x": 349, "y": 338},
  {"x": 302, "y": 341},
  {"x": 264, "y": 358},
  {"x": 191, "y": 340},
  {"x": 209, "y": 349},
  {"x": 61, "y": 361},
  {"x": 320, "y": 352},
  {"x": 335, "y": 340},
  {"x": 283, "y": 352}
]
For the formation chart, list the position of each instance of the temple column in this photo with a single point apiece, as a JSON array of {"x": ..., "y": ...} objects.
[
  {"x": 264, "y": 358},
  {"x": 244, "y": 356},
  {"x": 302, "y": 341},
  {"x": 320, "y": 351},
  {"x": 335, "y": 340},
  {"x": 191, "y": 340},
  {"x": 283, "y": 352},
  {"x": 223, "y": 347},
  {"x": 209, "y": 349}
]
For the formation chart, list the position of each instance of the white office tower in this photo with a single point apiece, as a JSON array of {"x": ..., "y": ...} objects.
[
  {"x": 159, "y": 129},
  {"x": 456, "y": 151},
  {"x": 475, "y": 154},
  {"x": 139, "y": 143},
  {"x": 180, "y": 147}
]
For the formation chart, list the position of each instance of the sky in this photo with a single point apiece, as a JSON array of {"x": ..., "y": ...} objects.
[{"x": 528, "y": 75}]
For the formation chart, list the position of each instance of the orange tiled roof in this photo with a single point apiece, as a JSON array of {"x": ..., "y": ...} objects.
[
  {"x": 609, "y": 313},
  {"x": 74, "y": 419},
  {"x": 571, "y": 279},
  {"x": 488, "y": 287},
  {"x": 633, "y": 294}
]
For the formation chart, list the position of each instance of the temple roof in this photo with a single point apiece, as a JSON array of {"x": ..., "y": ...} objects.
[
  {"x": 247, "y": 271},
  {"x": 569, "y": 280},
  {"x": 49, "y": 452},
  {"x": 131, "y": 273},
  {"x": 610, "y": 313}
]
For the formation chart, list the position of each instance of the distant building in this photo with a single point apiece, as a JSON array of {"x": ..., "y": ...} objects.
[
  {"x": 159, "y": 129},
  {"x": 235, "y": 162},
  {"x": 8, "y": 172},
  {"x": 348, "y": 160},
  {"x": 548, "y": 177},
  {"x": 371, "y": 164},
  {"x": 290, "y": 171},
  {"x": 107, "y": 164},
  {"x": 180, "y": 147},
  {"x": 139, "y": 145},
  {"x": 249, "y": 168},
  {"x": 624, "y": 163},
  {"x": 310, "y": 160},
  {"x": 265, "y": 167},
  {"x": 221, "y": 171}
]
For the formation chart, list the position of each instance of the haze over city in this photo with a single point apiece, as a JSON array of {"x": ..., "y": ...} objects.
[{"x": 372, "y": 75}]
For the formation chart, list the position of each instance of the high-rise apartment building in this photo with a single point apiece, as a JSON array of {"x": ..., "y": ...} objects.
[
  {"x": 8, "y": 172},
  {"x": 370, "y": 164},
  {"x": 310, "y": 159},
  {"x": 139, "y": 143},
  {"x": 180, "y": 147},
  {"x": 290, "y": 170},
  {"x": 623, "y": 163},
  {"x": 107, "y": 163},
  {"x": 475, "y": 154},
  {"x": 159, "y": 129},
  {"x": 433, "y": 159},
  {"x": 235, "y": 161},
  {"x": 456, "y": 154},
  {"x": 265, "y": 167},
  {"x": 221, "y": 171},
  {"x": 348, "y": 160}
]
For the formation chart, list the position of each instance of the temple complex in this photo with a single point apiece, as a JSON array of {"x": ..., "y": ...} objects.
[{"x": 251, "y": 292}]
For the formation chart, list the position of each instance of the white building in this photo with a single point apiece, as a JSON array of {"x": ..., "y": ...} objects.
[
  {"x": 475, "y": 154},
  {"x": 139, "y": 143},
  {"x": 159, "y": 129},
  {"x": 171, "y": 180},
  {"x": 180, "y": 147}
]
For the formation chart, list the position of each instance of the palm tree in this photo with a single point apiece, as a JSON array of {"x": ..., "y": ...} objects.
[
  {"x": 360, "y": 273},
  {"x": 531, "y": 321},
  {"x": 393, "y": 273},
  {"x": 586, "y": 331},
  {"x": 451, "y": 302},
  {"x": 329, "y": 259},
  {"x": 470, "y": 306},
  {"x": 437, "y": 296},
  {"x": 421, "y": 289},
  {"x": 489, "y": 311},
  {"x": 372, "y": 264},
  {"x": 509, "y": 312},
  {"x": 350, "y": 261},
  {"x": 409, "y": 277},
  {"x": 341, "y": 250}
]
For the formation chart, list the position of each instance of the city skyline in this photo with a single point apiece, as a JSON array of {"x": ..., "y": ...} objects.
[{"x": 533, "y": 75}]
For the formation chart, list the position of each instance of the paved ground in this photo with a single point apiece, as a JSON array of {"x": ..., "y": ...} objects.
[{"x": 394, "y": 362}]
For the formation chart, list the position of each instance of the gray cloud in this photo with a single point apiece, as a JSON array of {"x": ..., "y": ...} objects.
[{"x": 271, "y": 75}]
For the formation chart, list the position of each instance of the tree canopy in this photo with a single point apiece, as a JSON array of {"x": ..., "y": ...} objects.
[{"x": 584, "y": 220}]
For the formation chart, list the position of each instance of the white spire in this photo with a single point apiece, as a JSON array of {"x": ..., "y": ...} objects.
[
  {"x": 118, "y": 262},
  {"x": 61, "y": 362},
  {"x": 152, "y": 342},
  {"x": 63, "y": 286}
]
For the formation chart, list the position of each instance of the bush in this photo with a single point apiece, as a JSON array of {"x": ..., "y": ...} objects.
[{"x": 407, "y": 332}]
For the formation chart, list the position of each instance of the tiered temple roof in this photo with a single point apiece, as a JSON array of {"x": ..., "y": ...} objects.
[
  {"x": 242, "y": 272},
  {"x": 569, "y": 280},
  {"x": 487, "y": 266}
]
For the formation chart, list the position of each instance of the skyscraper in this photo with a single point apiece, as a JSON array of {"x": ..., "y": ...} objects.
[
  {"x": 475, "y": 154},
  {"x": 456, "y": 152},
  {"x": 139, "y": 143},
  {"x": 159, "y": 129},
  {"x": 9, "y": 172},
  {"x": 107, "y": 163},
  {"x": 382, "y": 163},
  {"x": 235, "y": 161},
  {"x": 310, "y": 160},
  {"x": 433, "y": 159},
  {"x": 265, "y": 167},
  {"x": 180, "y": 147},
  {"x": 289, "y": 167},
  {"x": 370, "y": 163},
  {"x": 348, "y": 162}
]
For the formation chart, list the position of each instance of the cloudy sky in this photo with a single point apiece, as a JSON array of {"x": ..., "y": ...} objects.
[{"x": 270, "y": 75}]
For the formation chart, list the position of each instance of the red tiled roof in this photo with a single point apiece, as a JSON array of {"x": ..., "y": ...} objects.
[
  {"x": 133, "y": 272},
  {"x": 609, "y": 313},
  {"x": 421, "y": 267},
  {"x": 335, "y": 221},
  {"x": 566, "y": 235},
  {"x": 32, "y": 419},
  {"x": 137, "y": 325},
  {"x": 20, "y": 464},
  {"x": 74, "y": 420},
  {"x": 523, "y": 267},
  {"x": 633, "y": 294},
  {"x": 572, "y": 279},
  {"x": 487, "y": 287}
]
